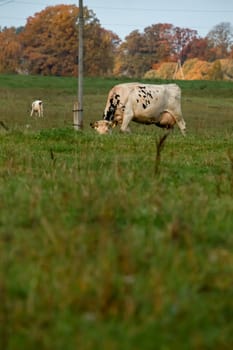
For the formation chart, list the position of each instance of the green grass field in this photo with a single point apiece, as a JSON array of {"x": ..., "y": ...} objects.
[{"x": 98, "y": 251}]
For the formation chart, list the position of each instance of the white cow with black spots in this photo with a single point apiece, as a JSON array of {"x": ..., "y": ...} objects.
[
  {"x": 37, "y": 107},
  {"x": 143, "y": 103}
]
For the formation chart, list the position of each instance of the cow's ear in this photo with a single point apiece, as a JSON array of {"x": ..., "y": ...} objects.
[
  {"x": 93, "y": 125},
  {"x": 114, "y": 123}
]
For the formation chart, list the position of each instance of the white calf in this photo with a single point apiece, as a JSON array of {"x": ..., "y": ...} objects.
[{"x": 37, "y": 107}]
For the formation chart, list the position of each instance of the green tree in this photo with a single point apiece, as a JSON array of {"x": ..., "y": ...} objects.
[
  {"x": 221, "y": 39},
  {"x": 130, "y": 59},
  {"x": 99, "y": 50}
]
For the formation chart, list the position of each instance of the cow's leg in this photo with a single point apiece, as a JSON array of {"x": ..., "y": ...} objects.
[
  {"x": 31, "y": 113},
  {"x": 181, "y": 124},
  {"x": 127, "y": 117},
  {"x": 125, "y": 125}
]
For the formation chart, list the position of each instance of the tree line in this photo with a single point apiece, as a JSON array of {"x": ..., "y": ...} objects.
[{"x": 48, "y": 45}]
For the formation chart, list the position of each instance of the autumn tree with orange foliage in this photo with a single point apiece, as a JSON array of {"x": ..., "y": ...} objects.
[
  {"x": 10, "y": 52},
  {"x": 160, "y": 42},
  {"x": 218, "y": 44},
  {"x": 99, "y": 50},
  {"x": 197, "y": 48},
  {"x": 50, "y": 43}
]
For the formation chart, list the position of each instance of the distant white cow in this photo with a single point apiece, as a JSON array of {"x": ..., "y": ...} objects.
[
  {"x": 145, "y": 104},
  {"x": 37, "y": 107}
]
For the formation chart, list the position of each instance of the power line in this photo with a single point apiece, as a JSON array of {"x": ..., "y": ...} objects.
[
  {"x": 5, "y": 2},
  {"x": 103, "y": 24},
  {"x": 162, "y": 10},
  {"x": 6, "y": 17},
  {"x": 108, "y": 9}
]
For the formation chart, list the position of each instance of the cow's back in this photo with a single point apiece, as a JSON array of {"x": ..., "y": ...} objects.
[{"x": 147, "y": 100}]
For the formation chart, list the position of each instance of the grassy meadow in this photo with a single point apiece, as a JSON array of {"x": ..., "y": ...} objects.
[{"x": 102, "y": 248}]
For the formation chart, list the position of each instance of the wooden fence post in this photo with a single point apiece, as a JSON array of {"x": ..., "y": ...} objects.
[{"x": 76, "y": 120}]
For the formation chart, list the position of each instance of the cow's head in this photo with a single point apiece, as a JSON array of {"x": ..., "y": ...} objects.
[{"x": 103, "y": 126}]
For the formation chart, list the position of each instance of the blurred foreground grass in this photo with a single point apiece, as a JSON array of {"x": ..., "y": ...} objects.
[{"x": 97, "y": 251}]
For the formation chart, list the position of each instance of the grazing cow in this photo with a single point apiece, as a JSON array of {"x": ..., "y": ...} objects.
[
  {"x": 37, "y": 107},
  {"x": 145, "y": 104}
]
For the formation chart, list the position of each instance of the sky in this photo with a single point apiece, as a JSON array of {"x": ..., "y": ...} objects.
[{"x": 124, "y": 16}]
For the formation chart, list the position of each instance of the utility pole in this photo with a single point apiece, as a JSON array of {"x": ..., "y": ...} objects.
[{"x": 78, "y": 107}]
